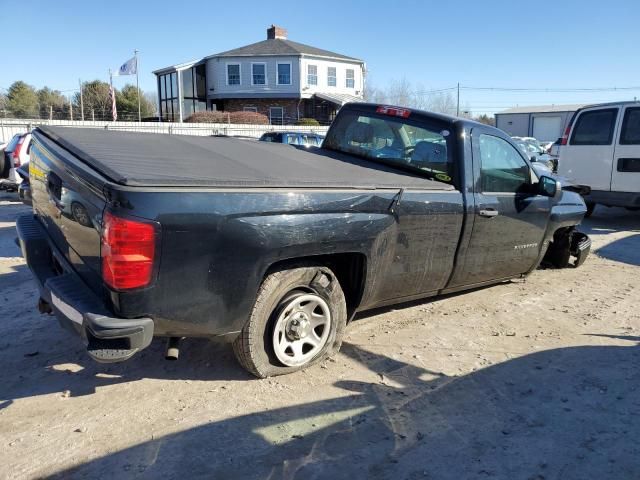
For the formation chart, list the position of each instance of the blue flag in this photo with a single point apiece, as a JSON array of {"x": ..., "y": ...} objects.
[{"x": 130, "y": 67}]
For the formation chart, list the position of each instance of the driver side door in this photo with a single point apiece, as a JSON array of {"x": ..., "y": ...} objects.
[{"x": 509, "y": 219}]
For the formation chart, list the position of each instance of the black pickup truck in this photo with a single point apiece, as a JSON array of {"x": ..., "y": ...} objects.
[{"x": 276, "y": 247}]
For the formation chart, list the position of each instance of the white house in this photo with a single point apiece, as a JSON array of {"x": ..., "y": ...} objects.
[{"x": 282, "y": 79}]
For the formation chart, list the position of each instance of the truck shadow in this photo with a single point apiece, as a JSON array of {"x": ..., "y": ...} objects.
[
  {"x": 608, "y": 221},
  {"x": 567, "y": 413}
]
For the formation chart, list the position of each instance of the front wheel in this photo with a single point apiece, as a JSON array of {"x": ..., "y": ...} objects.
[{"x": 298, "y": 319}]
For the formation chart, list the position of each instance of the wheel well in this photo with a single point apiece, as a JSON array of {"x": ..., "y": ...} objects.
[{"x": 349, "y": 268}]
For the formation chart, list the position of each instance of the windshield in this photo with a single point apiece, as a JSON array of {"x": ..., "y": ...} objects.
[{"x": 393, "y": 141}]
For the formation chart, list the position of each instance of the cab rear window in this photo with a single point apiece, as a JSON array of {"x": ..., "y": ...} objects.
[{"x": 394, "y": 141}]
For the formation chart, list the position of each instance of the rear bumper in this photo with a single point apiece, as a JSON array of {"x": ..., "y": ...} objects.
[{"x": 107, "y": 338}]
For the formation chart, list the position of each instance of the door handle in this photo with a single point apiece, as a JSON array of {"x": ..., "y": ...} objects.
[{"x": 489, "y": 212}]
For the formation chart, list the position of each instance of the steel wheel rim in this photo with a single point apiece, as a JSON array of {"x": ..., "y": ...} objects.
[{"x": 301, "y": 330}]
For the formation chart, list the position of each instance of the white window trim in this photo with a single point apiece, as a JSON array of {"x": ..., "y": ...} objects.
[
  {"x": 309, "y": 84},
  {"x": 290, "y": 73},
  {"x": 335, "y": 77},
  {"x": 346, "y": 78},
  {"x": 281, "y": 116},
  {"x": 266, "y": 76},
  {"x": 248, "y": 108},
  {"x": 226, "y": 73}
]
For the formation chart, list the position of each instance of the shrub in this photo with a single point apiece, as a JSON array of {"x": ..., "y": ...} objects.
[
  {"x": 312, "y": 122},
  {"x": 228, "y": 117},
  {"x": 249, "y": 117}
]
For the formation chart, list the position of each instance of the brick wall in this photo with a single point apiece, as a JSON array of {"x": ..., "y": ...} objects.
[{"x": 289, "y": 106}]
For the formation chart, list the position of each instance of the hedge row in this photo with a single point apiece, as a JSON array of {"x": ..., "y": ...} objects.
[{"x": 228, "y": 117}]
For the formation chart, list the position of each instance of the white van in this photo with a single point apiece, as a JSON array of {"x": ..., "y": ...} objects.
[{"x": 601, "y": 149}]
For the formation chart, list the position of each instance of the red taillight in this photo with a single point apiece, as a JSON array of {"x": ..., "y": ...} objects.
[
  {"x": 128, "y": 249},
  {"x": 16, "y": 152},
  {"x": 565, "y": 137},
  {"x": 393, "y": 111}
]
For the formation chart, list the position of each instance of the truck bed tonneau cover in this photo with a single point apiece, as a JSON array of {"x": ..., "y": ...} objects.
[{"x": 149, "y": 159}]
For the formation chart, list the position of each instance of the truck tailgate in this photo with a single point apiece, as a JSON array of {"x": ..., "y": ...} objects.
[{"x": 68, "y": 201}]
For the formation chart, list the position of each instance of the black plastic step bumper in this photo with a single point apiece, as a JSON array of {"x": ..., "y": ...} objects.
[
  {"x": 108, "y": 339},
  {"x": 580, "y": 247}
]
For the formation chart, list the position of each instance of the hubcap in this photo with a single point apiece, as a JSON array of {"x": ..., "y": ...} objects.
[{"x": 301, "y": 330}]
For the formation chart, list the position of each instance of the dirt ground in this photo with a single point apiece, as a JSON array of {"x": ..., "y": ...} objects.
[{"x": 533, "y": 379}]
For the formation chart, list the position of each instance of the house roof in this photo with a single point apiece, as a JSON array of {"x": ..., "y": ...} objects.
[
  {"x": 179, "y": 66},
  {"x": 544, "y": 109},
  {"x": 280, "y": 46}
]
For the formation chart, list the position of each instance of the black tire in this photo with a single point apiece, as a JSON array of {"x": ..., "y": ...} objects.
[
  {"x": 590, "y": 208},
  {"x": 559, "y": 252},
  {"x": 4, "y": 165},
  {"x": 254, "y": 348}
]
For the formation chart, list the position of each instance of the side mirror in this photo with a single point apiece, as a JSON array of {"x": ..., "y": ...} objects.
[{"x": 549, "y": 187}]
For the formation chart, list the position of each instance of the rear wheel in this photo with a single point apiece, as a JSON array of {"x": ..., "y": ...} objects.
[{"x": 298, "y": 319}]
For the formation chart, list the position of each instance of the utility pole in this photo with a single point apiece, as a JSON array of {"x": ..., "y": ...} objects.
[
  {"x": 50, "y": 112},
  {"x": 93, "y": 115},
  {"x": 81, "y": 101},
  {"x": 135, "y": 54},
  {"x": 458, "y": 102},
  {"x": 70, "y": 109}
]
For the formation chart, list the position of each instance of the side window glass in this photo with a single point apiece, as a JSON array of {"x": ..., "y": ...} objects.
[
  {"x": 595, "y": 127},
  {"x": 502, "y": 168},
  {"x": 630, "y": 133}
]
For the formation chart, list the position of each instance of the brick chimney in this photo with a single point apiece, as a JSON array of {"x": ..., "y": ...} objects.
[{"x": 274, "y": 32}]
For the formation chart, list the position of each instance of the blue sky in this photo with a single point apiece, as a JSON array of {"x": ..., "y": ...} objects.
[{"x": 536, "y": 44}]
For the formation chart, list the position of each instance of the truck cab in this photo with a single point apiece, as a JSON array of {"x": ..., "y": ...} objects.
[{"x": 601, "y": 149}]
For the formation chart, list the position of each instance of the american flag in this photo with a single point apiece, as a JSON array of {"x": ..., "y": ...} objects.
[{"x": 114, "y": 111}]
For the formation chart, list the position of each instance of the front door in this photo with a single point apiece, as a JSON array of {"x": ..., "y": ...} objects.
[
  {"x": 509, "y": 220},
  {"x": 625, "y": 176}
]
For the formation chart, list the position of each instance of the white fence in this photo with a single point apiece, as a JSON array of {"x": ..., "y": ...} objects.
[{"x": 9, "y": 127}]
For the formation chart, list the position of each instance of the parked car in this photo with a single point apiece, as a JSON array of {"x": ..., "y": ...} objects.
[
  {"x": 532, "y": 148},
  {"x": 275, "y": 249},
  {"x": 293, "y": 138},
  {"x": 15, "y": 154},
  {"x": 601, "y": 148}
]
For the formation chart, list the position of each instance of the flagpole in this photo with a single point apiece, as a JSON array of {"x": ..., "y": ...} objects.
[
  {"x": 111, "y": 92},
  {"x": 135, "y": 54}
]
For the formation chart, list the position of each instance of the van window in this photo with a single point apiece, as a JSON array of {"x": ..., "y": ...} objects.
[
  {"x": 502, "y": 168},
  {"x": 595, "y": 127},
  {"x": 630, "y": 134}
]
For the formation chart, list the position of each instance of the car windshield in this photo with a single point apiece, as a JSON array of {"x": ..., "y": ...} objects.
[{"x": 393, "y": 141}]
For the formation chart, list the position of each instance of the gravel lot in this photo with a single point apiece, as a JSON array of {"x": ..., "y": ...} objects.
[{"x": 533, "y": 379}]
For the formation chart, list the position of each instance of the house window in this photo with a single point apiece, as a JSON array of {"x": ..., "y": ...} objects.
[
  {"x": 250, "y": 109},
  {"x": 276, "y": 115},
  {"x": 258, "y": 74},
  {"x": 284, "y": 74},
  {"x": 351, "y": 82},
  {"x": 331, "y": 76},
  {"x": 312, "y": 74},
  {"x": 233, "y": 74}
]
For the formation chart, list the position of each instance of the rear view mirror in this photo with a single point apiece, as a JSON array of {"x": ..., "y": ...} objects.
[{"x": 549, "y": 187}]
